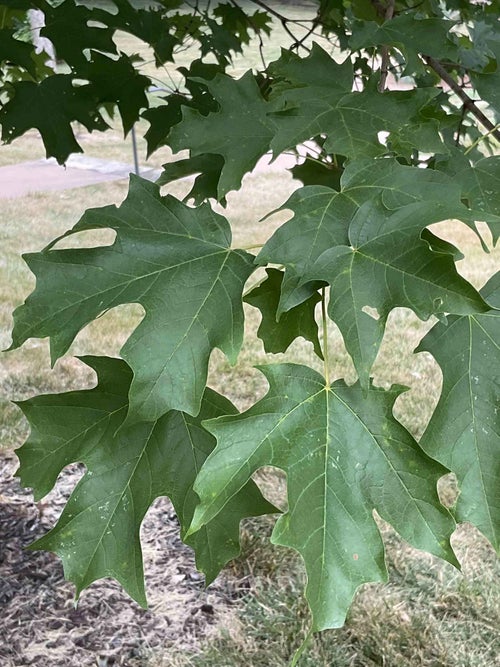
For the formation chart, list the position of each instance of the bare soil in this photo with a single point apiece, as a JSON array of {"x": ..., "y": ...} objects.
[{"x": 39, "y": 623}]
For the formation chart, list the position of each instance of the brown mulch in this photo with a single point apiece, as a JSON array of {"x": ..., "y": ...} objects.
[{"x": 39, "y": 624}]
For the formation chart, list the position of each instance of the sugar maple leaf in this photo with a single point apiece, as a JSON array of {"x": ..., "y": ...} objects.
[
  {"x": 344, "y": 455},
  {"x": 464, "y": 431},
  {"x": 177, "y": 263},
  {"x": 97, "y": 535}
]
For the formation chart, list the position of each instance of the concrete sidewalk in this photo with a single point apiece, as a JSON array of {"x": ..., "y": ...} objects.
[
  {"x": 21, "y": 179},
  {"x": 18, "y": 180}
]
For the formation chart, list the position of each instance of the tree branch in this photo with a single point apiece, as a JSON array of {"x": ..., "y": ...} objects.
[
  {"x": 384, "y": 66},
  {"x": 284, "y": 22},
  {"x": 468, "y": 103}
]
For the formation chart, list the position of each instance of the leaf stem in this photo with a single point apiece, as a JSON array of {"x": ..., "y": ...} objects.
[
  {"x": 325, "y": 336},
  {"x": 469, "y": 103},
  {"x": 298, "y": 653},
  {"x": 251, "y": 247},
  {"x": 482, "y": 137},
  {"x": 384, "y": 67}
]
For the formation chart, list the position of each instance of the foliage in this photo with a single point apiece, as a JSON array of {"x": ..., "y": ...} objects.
[{"x": 382, "y": 165}]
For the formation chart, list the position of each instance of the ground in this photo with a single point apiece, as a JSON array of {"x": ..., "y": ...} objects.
[{"x": 43, "y": 626}]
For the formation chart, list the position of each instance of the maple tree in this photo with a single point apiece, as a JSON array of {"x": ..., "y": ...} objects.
[{"x": 383, "y": 164}]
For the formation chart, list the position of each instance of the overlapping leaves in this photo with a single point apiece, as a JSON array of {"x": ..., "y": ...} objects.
[
  {"x": 149, "y": 425},
  {"x": 309, "y": 97},
  {"x": 365, "y": 241},
  {"x": 97, "y": 534},
  {"x": 313, "y": 96}
]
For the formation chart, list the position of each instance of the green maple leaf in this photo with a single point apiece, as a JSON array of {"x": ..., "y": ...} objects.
[
  {"x": 69, "y": 27},
  {"x": 344, "y": 455},
  {"x": 318, "y": 72},
  {"x": 412, "y": 36},
  {"x": 278, "y": 333},
  {"x": 14, "y": 51},
  {"x": 177, "y": 263},
  {"x": 481, "y": 187},
  {"x": 322, "y": 215},
  {"x": 51, "y": 106},
  {"x": 388, "y": 264},
  {"x": 207, "y": 168},
  {"x": 464, "y": 431},
  {"x": 314, "y": 97},
  {"x": 97, "y": 534},
  {"x": 118, "y": 81},
  {"x": 240, "y": 131}
]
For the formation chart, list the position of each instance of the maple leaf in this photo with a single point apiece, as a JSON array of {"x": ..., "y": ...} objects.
[
  {"x": 51, "y": 106},
  {"x": 464, "y": 431},
  {"x": 313, "y": 96},
  {"x": 322, "y": 215},
  {"x": 387, "y": 264},
  {"x": 344, "y": 455},
  {"x": 240, "y": 131},
  {"x": 97, "y": 535},
  {"x": 13, "y": 50},
  {"x": 278, "y": 333},
  {"x": 177, "y": 263},
  {"x": 118, "y": 81},
  {"x": 69, "y": 27}
]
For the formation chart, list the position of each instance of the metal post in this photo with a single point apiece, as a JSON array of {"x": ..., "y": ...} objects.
[{"x": 134, "y": 149}]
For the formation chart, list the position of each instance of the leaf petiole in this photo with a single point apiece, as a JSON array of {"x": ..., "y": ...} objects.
[{"x": 325, "y": 336}]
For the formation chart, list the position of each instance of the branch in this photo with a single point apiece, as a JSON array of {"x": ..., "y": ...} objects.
[
  {"x": 284, "y": 22},
  {"x": 384, "y": 67},
  {"x": 469, "y": 104}
]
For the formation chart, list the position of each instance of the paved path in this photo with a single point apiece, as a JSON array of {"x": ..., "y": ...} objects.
[{"x": 18, "y": 180}]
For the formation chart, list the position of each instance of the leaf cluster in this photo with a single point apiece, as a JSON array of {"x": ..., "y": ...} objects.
[{"x": 378, "y": 165}]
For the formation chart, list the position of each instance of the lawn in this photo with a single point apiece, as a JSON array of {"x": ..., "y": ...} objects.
[{"x": 429, "y": 614}]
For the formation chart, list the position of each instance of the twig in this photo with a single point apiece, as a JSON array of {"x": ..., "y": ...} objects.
[
  {"x": 284, "y": 22},
  {"x": 384, "y": 67},
  {"x": 478, "y": 141},
  {"x": 257, "y": 33},
  {"x": 469, "y": 104},
  {"x": 460, "y": 125}
]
